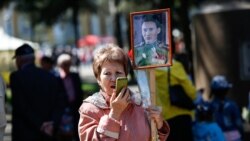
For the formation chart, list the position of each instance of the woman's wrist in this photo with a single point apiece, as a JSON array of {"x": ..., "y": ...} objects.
[
  {"x": 115, "y": 120},
  {"x": 114, "y": 115}
]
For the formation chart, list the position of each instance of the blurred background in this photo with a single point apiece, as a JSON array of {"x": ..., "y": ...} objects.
[{"x": 209, "y": 36}]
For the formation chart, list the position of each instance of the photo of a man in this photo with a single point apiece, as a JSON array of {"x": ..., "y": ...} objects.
[{"x": 152, "y": 49}]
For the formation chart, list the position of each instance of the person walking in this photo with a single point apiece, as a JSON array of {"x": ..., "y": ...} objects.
[
  {"x": 47, "y": 63},
  {"x": 204, "y": 127},
  {"x": 226, "y": 111},
  {"x": 74, "y": 95},
  {"x": 36, "y": 102},
  {"x": 179, "y": 118}
]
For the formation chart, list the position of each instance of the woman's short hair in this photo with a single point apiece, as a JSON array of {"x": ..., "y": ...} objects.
[{"x": 109, "y": 53}]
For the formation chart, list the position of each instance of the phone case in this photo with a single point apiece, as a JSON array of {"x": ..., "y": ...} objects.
[{"x": 121, "y": 82}]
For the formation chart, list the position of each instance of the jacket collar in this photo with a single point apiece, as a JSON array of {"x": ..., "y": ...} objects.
[
  {"x": 98, "y": 99},
  {"x": 27, "y": 65}
]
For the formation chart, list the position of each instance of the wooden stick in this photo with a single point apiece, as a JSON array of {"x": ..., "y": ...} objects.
[{"x": 153, "y": 102}]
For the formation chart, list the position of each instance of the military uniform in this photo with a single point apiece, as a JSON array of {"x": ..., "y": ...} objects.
[{"x": 151, "y": 54}]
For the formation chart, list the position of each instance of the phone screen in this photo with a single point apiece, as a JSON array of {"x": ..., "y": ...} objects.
[{"x": 121, "y": 82}]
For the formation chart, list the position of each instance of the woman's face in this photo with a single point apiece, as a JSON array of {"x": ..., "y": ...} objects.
[
  {"x": 66, "y": 66},
  {"x": 110, "y": 71}
]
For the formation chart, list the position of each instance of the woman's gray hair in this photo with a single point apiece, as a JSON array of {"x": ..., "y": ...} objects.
[{"x": 63, "y": 58}]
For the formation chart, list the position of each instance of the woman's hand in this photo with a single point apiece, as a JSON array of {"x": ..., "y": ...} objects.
[
  {"x": 155, "y": 114},
  {"x": 119, "y": 104}
]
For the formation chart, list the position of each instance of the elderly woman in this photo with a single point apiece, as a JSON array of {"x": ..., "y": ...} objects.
[{"x": 105, "y": 116}]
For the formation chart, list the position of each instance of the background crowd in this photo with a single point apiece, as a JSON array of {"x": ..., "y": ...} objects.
[
  {"x": 43, "y": 85},
  {"x": 46, "y": 99}
]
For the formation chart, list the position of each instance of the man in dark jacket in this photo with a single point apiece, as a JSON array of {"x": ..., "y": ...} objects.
[{"x": 37, "y": 104}]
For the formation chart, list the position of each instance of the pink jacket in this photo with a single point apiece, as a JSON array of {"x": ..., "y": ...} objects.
[{"x": 96, "y": 125}]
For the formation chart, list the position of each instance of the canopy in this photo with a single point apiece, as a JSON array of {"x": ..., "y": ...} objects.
[
  {"x": 11, "y": 43},
  {"x": 89, "y": 40}
]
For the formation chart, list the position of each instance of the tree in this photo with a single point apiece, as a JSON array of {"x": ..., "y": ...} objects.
[{"x": 49, "y": 11}]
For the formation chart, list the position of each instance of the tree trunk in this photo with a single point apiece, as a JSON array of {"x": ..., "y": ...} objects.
[
  {"x": 75, "y": 22},
  {"x": 185, "y": 23}
]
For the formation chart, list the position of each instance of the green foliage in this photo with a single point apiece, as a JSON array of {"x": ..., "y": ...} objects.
[
  {"x": 49, "y": 11},
  {"x": 90, "y": 88}
]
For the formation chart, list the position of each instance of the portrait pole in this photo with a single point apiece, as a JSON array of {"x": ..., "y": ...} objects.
[{"x": 153, "y": 102}]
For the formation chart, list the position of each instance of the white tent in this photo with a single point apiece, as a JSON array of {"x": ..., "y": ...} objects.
[{"x": 11, "y": 43}]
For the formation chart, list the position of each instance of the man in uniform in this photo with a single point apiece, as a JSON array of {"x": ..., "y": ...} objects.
[{"x": 151, "y": 51}]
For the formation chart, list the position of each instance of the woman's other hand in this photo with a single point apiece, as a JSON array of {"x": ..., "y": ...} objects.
[
  {"x": 119, "y": 104},
  {"x": 155, "y": 114}
]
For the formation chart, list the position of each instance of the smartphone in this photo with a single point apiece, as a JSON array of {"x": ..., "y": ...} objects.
[{"x": 121, "y": 82}]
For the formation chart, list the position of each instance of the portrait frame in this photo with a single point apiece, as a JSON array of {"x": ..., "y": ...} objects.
[{"x": 144, "y": 54}]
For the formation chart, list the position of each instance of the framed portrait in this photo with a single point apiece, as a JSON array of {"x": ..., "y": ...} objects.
[{"x": 151, "y": 39}]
